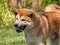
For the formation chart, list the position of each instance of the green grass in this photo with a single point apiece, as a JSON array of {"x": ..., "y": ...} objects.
[{"x": 10, "y": 37}]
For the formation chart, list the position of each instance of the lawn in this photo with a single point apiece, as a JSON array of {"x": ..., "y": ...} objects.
[{"x": 10, "y": 37}]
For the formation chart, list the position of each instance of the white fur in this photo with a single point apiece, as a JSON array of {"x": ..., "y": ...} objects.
[{"x": 29, "y": 39}]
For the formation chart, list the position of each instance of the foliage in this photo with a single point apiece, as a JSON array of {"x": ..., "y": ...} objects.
[
  {"x": 7, "y": 17},
  {"x": 45, "y": 3},
  {"x": 10, "y": 37}
]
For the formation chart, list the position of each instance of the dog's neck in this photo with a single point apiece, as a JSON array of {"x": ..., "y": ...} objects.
[{"x": 37, "y": 35}]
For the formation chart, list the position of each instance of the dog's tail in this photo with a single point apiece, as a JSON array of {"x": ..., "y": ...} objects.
[{"x": 52, "y": 8}]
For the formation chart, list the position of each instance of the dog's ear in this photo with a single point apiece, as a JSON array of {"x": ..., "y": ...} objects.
[{"x": 15, "y": 11}]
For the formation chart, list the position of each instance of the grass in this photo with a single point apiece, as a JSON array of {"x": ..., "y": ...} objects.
[{"x": 10, "y": 37}]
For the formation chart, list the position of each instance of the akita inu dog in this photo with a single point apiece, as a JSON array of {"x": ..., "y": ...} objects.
[{"x": 38, "y": 27}]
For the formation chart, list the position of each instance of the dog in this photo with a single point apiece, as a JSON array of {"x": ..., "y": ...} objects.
[
  {"x": 52, "y": 8},
  {"x": 38, "y": 27}
]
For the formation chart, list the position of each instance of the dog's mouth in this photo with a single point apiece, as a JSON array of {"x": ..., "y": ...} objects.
[
  {"x": 21, "y": 28},
  {"x": 17, "y": 30}
]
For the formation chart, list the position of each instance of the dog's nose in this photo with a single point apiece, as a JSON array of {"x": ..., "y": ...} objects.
[{"x": 16, "y": 25}]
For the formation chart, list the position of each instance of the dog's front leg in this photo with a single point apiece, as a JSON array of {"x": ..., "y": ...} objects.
[
  {"x": 42, "y": 44},
  {"x": 34, "y": 40},
  {"x": 34, "y": 43}
]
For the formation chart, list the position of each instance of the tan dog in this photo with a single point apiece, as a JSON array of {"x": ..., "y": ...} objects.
[
  {"x": 52, "y": 8},
  {"x": 38, "y": 27}
]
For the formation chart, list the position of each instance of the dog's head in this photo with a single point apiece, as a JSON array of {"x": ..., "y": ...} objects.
[{"x": 25, "y": 19}]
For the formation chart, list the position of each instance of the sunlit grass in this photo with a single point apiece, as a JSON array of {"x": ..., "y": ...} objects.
[{"x": 10, "y": 37}]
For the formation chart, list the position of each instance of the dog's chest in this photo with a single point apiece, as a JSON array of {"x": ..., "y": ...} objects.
[{"x": 33, "y": 40}]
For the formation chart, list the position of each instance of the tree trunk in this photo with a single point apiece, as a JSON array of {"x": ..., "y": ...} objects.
[
  {"x": 35, "y": 4},
  {"x": 15, "y": 2},
  {"x": 24, "y": 2}
]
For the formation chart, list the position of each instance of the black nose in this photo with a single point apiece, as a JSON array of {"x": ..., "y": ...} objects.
[{"x": 16, "y": 25}]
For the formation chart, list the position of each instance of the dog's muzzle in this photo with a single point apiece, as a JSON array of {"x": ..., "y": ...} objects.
[{"x": 19, "y": 28}]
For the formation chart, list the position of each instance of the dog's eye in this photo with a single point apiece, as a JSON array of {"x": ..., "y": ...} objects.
[{"x": 31, "y": 15}]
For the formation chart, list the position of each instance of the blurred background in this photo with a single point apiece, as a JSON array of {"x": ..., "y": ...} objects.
[{"x": 7, "y": 34}]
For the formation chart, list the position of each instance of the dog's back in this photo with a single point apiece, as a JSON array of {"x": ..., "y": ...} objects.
[
  {"x": 54, "y": 26},
  {"x": 54, "y": 19}
]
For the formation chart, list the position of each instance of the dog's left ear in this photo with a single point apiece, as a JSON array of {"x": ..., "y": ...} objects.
[{"x": 15, "y": 11}]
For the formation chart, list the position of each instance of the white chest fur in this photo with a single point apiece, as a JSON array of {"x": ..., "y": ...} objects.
[{"x": 33, "y": 40}]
